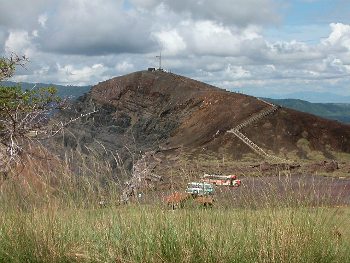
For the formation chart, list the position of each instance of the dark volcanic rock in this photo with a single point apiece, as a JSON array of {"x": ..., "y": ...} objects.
[{"x": 152, "y": 111}]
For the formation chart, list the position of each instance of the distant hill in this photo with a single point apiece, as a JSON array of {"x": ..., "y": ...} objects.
[
  {"x": 164, "y": 112},
  {"x": 334, "y": 111},
  {"x": 62, "y": 91},
  {"x": 315, "y": 97}
]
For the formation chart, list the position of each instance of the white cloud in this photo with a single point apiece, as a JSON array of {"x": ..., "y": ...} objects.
[
  {"x": 3, "y": 37},
  {"x": 44, "y": 70},
  {"x": 221, "y": 42},
  {"x": 94, "y": 28},
  {"x": 170, "y": 41},
  {"x": 339, "y": 38},
  {"x": 238, "y": 12},
  {"x": 125, "y": 67},
  {"x": 209, "y": 38},
  {"x": 42, "y": 19},
  {"x": 81, "y": 76},
  {"x": 145, "y": 3},
  {"x": 19, "y": 14},
  {"x": 237, "y": 72},
  {"x": 20, "y": 42}
]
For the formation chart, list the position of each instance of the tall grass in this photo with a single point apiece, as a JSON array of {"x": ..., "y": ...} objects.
[
  {"x": 62, "y": 222},
  {"x": 135, "y": 234}
]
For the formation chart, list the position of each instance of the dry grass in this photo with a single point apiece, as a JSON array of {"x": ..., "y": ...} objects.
[
  {"x": 62, "y": 222},
  {"x": 152, "y": 234}
]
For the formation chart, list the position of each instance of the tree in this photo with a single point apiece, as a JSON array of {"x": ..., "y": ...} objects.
[
  {"x": 8, "y": 65},
  {"x": 25, "y": 114},
  {"x": 22, "y": 112}
]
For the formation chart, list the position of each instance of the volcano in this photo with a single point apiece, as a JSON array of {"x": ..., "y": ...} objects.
[{"x": 159, "y": 111}]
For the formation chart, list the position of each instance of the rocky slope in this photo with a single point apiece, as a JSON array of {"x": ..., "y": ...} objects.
[
  {"x": 146, "y": 111},
  {"x": 150, "y": 122}
]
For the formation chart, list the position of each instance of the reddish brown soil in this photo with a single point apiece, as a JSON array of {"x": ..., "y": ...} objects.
[
  {"x": 284, "y": 128},
  {"x": 200, "y": 115},
  {"x": 177, "y": 117}
]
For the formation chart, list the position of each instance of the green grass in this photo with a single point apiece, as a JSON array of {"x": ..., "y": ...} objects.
[
  {"x": 62, "y": 222},
  {"x": 152, "y": 234}
]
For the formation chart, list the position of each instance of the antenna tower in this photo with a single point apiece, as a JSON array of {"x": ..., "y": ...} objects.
[{"x": 160, "y": 60}]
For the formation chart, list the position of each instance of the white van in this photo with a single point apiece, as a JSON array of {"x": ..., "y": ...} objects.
[{"x": 198, "y": 188}]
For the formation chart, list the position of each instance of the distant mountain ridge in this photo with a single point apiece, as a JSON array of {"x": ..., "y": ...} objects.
[
  {"x": 314, "y": 97},
  {"x": 334, "y": 111},
  {"x": 62, "y": 91}
]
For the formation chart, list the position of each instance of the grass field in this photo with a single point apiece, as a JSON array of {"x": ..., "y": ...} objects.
[
  {"x": 72, "y": 228},
  {"x": 61, "y": 221},
  {"x": 152, "y": 234}
]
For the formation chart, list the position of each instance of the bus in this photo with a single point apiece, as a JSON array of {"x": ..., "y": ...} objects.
[{"x": 221, "y": 180}]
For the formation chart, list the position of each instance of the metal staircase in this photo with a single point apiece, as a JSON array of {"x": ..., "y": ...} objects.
[
  {"x": 250, "y": 143},
  {"x": 256, "y": 117}
]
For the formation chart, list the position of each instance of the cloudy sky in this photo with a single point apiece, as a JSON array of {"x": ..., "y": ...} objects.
[{"x": 260, "y": 47}]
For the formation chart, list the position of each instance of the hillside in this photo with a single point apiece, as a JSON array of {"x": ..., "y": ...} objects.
[
  {"x": 150, "y": 111},
  {"x": 335, "y": 111}
]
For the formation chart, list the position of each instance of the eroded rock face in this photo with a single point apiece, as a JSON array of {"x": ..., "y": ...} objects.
[
  {"x": 156, "y": 111},
  {"x": 135, "y": 115}
]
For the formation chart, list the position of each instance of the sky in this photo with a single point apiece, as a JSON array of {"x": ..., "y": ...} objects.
[{"x": 271, "y": 48}]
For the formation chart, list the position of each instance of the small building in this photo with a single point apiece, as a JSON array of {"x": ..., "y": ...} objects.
[{"x": 151, "y": 69}]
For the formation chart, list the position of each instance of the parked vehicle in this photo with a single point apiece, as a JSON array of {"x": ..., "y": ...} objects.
[
  {"x": 200, "y": 188},
  {"x": 221, "y": 180}
]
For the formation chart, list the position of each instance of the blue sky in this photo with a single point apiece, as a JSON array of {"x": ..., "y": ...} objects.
[
  {"x": 259, "y": 47},
  {"x": 308, "y": 20}
]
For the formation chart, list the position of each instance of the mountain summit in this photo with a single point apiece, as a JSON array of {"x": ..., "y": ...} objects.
[{"x": 159, "y": 111}]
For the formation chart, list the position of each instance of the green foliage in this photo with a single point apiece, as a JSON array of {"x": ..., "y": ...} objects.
[
  {"x": 7, "y": 68},
  {"x": 22, "y": 113},
  {"x": 14, "y": 98},
  {"x": 8, "y": 65}
]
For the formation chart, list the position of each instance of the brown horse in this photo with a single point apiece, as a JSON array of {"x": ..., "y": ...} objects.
[
  {"x": 176, "y": 199},
  {"x": 206, "y": 201}
]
